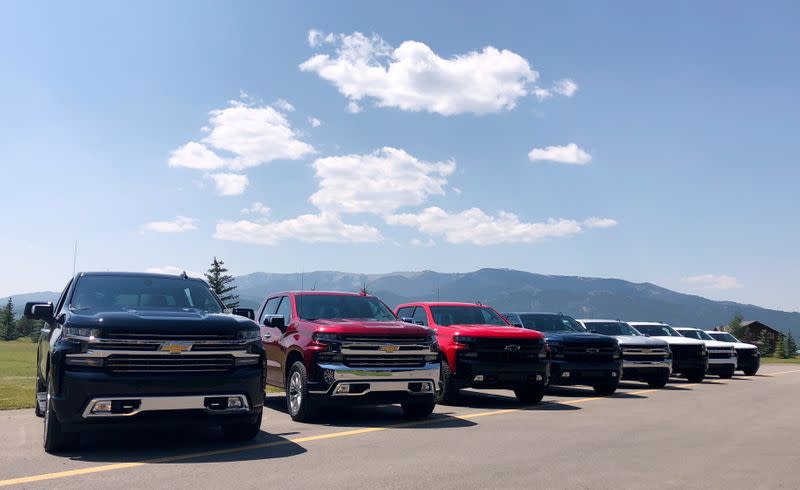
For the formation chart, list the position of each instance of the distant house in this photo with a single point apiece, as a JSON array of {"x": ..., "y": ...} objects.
[{"x": 754, "y": 330}]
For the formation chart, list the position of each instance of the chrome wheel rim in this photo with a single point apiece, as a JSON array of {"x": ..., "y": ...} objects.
[
  {"x": 46, "y": 415},
  {"x": 295, "y": 392}
]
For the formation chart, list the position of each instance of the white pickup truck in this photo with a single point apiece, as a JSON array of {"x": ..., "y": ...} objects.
[
  {"x": 721, "y": 355},
  {"x": 748, "y": 359}
]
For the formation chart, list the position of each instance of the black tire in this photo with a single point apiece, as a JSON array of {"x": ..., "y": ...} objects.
[
  {"x": 658, "y": 381},
  {"x": 55, "y": 439},
  {"x": 41, "y": 388},
  {"x": 529, "y": 395},
  {"x": 448, "y": 393},
  {"x": 417, "y": 410},
  {"x": 606, "y": 388},
  {"x": 695, "y": 376},
  {"x": 728, "y": 373},
  {"x": 243, "y": 432},
  {"x": 751, "y": 371},
  {"x": 298, "y": 402}
]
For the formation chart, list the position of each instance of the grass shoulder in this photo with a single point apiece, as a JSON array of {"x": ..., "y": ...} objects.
[
  {"x": 777, "y": 360},
  {"x": 17, "y": 374}
]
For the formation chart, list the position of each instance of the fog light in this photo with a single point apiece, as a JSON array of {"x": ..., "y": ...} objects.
[
  {"x": 478, "y": 378},
  {"x": 235, "y": 402},
  {"x": 102, "y": 406},
  {"x": 539, "y": 377},
  {"x": 343, "y": 389},
  {"x": 427, "y": 387},
  {"x": 613, "y": 374},
  {"x": 565, "y": 374}
]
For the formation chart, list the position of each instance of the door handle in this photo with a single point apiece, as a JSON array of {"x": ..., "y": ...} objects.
[{"x": 267, "y": 335}]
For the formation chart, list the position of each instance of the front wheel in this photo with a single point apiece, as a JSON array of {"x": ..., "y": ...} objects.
[
  {"x": 417, "y": 410},
  {"x": 728, "y": 373},
  {"x": 448, "y": 393},
  {"x": 299, "y": 404},
  {"x": 606, "y": 388},
  {"x": 243, "y": 432},
  {"x": 695, "y": 376},
  {"x": 658, "y": 381},
  {"x": 529, "y": 395},
  {"x": 55, "y": 439},
  {"x": 751, "y": 371}
]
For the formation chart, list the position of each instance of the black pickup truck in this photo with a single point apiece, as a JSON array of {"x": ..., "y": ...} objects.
[
  {"x": 577, "y": 356},
  {"x": 129, "y": 349}
]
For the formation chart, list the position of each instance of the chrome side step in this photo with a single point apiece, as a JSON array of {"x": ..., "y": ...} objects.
[{"x": 41, "y": 400}]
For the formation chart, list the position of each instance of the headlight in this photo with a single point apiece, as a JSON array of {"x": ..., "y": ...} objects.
[
  {"x": 463, "y": 339},
  {"x": 324, "y": 338},
  {"x": 81, "y": 333},
  {"x": 618, "y": 353},
  {"x": 249, "y": 335}
]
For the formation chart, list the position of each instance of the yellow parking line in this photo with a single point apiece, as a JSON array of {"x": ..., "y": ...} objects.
[
  {"x": 784, "y": 372},
  {"x": 250, "y": 447}
]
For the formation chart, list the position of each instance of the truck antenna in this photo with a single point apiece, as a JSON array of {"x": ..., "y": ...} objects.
[{"x": 74, "y": 257}]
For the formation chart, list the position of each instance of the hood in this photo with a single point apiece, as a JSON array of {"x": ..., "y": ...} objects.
[
  {"x": 678, "y": 340},
  {"x": 716, "y": 344},
  {"x": 489, "y": 331},
  {"x": 631, "y": 340},
  {"x": 160, "y": 321},
  {"x": 368, "y": 327},
  {"x": 742, "y": 345},
  {"x": 577, "y": 338}
]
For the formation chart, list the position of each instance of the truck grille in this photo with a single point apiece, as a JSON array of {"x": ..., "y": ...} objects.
[
  {"x": 746, "y": 354},
  {"x": 644, "y": 354},
  {"x": 719, "y": 354},
  {"x": 589, "y": 353},
  {"x": 150, "y": 345},
  {"x": 385, "y": 361},
  {"x": 158, "y": 337},
  {"x": 196, "y": 364},
  {"x": 687, "y": 352},
  {"x": 387, "y": 351},
  {"x": 503, "y": 350}
]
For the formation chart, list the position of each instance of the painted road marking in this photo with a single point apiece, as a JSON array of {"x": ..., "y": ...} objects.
[
  {"x": 298, "y": 440},
  {"x": 784, "y": 372}
]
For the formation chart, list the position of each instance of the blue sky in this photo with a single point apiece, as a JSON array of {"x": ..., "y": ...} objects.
[{"x": 665, "y": 133}]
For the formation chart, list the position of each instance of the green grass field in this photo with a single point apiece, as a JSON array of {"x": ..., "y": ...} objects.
[
  {"x": 775, "y": 360},
  {"x": 17, "y": 374}
]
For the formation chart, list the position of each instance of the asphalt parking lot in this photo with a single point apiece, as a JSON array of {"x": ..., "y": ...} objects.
[{"x": 737, "y": 433}]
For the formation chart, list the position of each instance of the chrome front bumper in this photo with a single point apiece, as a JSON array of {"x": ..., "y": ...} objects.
[
  {"x": 722, "y": 362},
  {"x": 342, "y": 380},
  {"x": 133, "y": 405},
  {"x": 646, "y": 364}
]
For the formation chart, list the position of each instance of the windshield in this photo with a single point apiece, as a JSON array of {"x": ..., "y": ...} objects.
[
  {"x": 466, "y": 315},
  {"x": 611, "y": 328},
  {"x": 108, "y": 293},
  {"x": 723, "y": 337},
  {"x": 658, "y": 330},
  {"x": 342, "y": 306},
  {"x": 551, "y": 323},
  {"x": 695, "y": 334}
]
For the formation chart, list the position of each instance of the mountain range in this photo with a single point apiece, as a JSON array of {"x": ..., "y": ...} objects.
[{"x": 506, "y": 290}]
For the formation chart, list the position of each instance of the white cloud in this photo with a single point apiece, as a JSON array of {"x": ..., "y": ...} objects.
[
  {"x": 256, "y": 209},
  {"x": 569, "y": 154},
  {"x": 711, "y": 281},
  {"x": 229, "y": 184},
  {"x": 179, "y": 225},
  {"x": 352, "y": 107},
  {"x": 174, "y": 270},
  {"x": 378, "y": 182},
  {"x": 316, "y": 38},
  {"x": 314, "y": 228},
  {"x": 248, "y": 134},
  {"x": 416, "y": 242},
  {"x": 314, "y": 122},
  {"x": 476, "y": 227},
  {"x": 599, "y": 223},
  {"x": 284, "y": 105},
  {"x": 414, "y": 78},
  {"x": 565, "y": 87}
]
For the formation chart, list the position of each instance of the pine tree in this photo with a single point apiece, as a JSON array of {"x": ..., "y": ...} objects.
[
  {"x": 791, "y": 346},
  {"x": 24, "y": 326},
  {"x": 736, "y": 328},
  {"x": 780, "y": 347},
  {"x": 765, "y": 347},
  {"x": 7, "y": 322},
  {"x": 222, "y": 283},
  {"x": 36, "y": 330}
]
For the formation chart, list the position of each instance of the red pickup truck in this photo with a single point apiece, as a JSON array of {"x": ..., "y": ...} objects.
[
  {"x": 349, "y": 347},
  {"x": 482, "y": 350}
]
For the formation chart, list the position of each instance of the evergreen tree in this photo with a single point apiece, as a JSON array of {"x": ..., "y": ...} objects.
[
  {"x": 736, "y": 328},
  {"x": 7, "y": 322},
  {"x": 36, "y": 330},
  {"x": 791, "y": 345},
  {"x": 222, "y": 283},
  {"x": 780, "y": 347},
  {"x": 765, "y": 346},
  {"x": 24, "y": 326}
]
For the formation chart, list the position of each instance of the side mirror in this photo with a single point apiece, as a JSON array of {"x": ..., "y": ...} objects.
[
  {"x": 407, "y": 319},
  {"x": 245, "y": 312},
  {"x": 38, "y": 310},
  {"x": 519, "y": 325},
  {"x": 275, "y": 321}
]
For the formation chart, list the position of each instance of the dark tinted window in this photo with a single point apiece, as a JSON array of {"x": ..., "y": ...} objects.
[
  {"x": 466, "y": 315},
  {"x": 550, "y": 323},
  {"x": 657, "y": 330},
  {"x": 270, "y": 307},
  {"x": 285, "y": 310},
  {"x": 612, "y": 328},
  {"x": 420, "y": 316},
  {"x": 104, "y": 293},
  {"x": 340, "y": 306},
  {"x": 723, "y": 336},
  {"x": 405, "y": 312}
]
